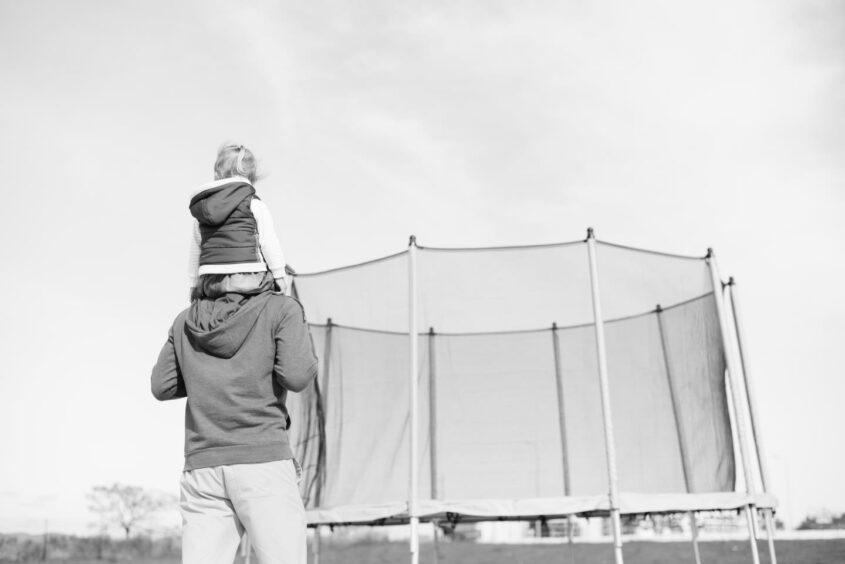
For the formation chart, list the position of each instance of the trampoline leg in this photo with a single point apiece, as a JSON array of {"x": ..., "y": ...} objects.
[
  {"x": 749, "y": 519},
  {"x": 693, "y": 523},
  {"x": 246, "y": 549},
  {"x": 315, "y": 546},
  {"x": 770, "y": 533},
  {"x": 434, "y": 539},
  {"x": 415, "y": 540},
  {"x": 616, "y": 521}
]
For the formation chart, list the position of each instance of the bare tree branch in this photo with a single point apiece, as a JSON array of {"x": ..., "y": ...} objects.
[{"x": 126, "y": 507}]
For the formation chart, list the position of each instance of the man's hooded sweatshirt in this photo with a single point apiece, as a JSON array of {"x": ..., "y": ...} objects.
[{"x": 235, "y": 358}]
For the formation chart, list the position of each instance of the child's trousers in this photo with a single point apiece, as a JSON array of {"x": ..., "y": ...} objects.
[{"x": 218, "y": 503}]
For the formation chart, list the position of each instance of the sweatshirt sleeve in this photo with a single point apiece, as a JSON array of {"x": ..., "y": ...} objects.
[
  {"x": 166, "y": 381},
  {"x": 267, "y": 239},
  {"x": 296, "y": 363},
  {"x": 194, "y": 254}
]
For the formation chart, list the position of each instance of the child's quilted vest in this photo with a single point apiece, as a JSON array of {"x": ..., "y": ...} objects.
[{"x": 228, "y": 228}]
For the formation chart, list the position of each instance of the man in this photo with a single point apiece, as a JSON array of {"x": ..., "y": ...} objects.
[{"x": 235, "y": 356}]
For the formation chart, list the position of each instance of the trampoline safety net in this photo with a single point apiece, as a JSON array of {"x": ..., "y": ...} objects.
[{"x": 509, "y": 397}]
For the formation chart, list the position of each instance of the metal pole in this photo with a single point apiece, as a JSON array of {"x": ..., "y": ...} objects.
[
  {"x": 610, "y": 447},
  {"x": 733, "y": 374},
  {"x": 679, "y": 427},
  {"x": 693, "y": 523},
  {"x": 561, "y": 412},
  {"x": 432, "y": 429},
  {"x": 315, "y": 546},
  {"x": 752, "y": 410},
  {"x": 770, "y": 534},
  {"x": 246, "y": 550},
  {"x": 413, "y": 494},
  {"x": 432, "y": 412},
  {"x": 321, "y": 453}
]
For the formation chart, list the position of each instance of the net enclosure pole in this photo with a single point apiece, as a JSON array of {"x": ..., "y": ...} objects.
[
  {"x": 432, "y": 411},
  {"x": 413, "y": 492},
  {"x": 610, "y": 447},
  {"x": 321, "y": 459},
  {"x": 561, "y": 413},
  {"x": 752, "y": 410},
  {"x": 733, "y": 375},
  {"x": 679, "y": 428},
  {"x": 432, "y": 429}
]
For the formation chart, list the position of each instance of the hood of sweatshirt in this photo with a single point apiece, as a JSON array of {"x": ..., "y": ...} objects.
[
  {"x": 214, "y": 202},
  {"x": 221, "y": 326}
]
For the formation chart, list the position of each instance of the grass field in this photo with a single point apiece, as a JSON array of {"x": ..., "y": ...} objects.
[{"x": 788, "y": 552}]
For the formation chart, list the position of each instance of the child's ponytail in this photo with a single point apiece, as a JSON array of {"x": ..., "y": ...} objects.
[
  {"x": 235, "y": 160},
  {"x": 239, "y": 168}
]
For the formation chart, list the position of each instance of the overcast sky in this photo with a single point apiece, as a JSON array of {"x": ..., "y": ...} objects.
[{"x": 664, "y": 125}]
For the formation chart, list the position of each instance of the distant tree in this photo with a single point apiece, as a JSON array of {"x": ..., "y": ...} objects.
[
  {"x": 825, "y": 519},
  {"x": 809, "y": 523},
  {"x": 100, "y": 541},
  {"x": 126, "y": 507}
]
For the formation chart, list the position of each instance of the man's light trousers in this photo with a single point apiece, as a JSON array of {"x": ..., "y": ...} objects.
[{"x": 218, "y": 503}]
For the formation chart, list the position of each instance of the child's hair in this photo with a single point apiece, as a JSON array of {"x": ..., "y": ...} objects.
[{"x": 235, "y": 160}]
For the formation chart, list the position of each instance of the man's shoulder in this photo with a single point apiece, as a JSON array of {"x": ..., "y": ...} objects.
[
  {"x": 179, "y": 320},
  {"x": 286, "y": 307}
]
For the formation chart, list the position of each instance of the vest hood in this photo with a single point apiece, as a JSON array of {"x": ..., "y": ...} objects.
[
  {"x": 221, "y": 326},
  {"x": 214, "y": 202}
]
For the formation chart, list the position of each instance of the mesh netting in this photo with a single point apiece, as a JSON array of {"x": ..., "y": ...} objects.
[
  {"x": 503, "y": 289},
  {"x": 509, "y": 405}
]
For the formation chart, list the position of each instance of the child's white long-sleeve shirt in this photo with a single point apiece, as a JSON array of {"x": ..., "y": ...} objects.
[{"x": 268, "y": 242}]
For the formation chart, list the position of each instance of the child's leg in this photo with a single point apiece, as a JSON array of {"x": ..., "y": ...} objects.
[
  {"x": 244, "y": 282},
  {"x": 281, "y": 285}
]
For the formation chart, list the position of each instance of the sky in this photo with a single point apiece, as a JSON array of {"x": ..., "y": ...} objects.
[{"x": 673, "y": 126}]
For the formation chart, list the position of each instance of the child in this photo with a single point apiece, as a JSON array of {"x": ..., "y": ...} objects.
[{"x": 233, "y": 231}]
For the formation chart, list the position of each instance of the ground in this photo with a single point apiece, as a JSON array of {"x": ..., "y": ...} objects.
[{"x": 788, "y": 552}]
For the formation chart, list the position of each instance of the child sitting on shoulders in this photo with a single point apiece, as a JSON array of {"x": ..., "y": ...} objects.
[{"x": 234, "y": 245}]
